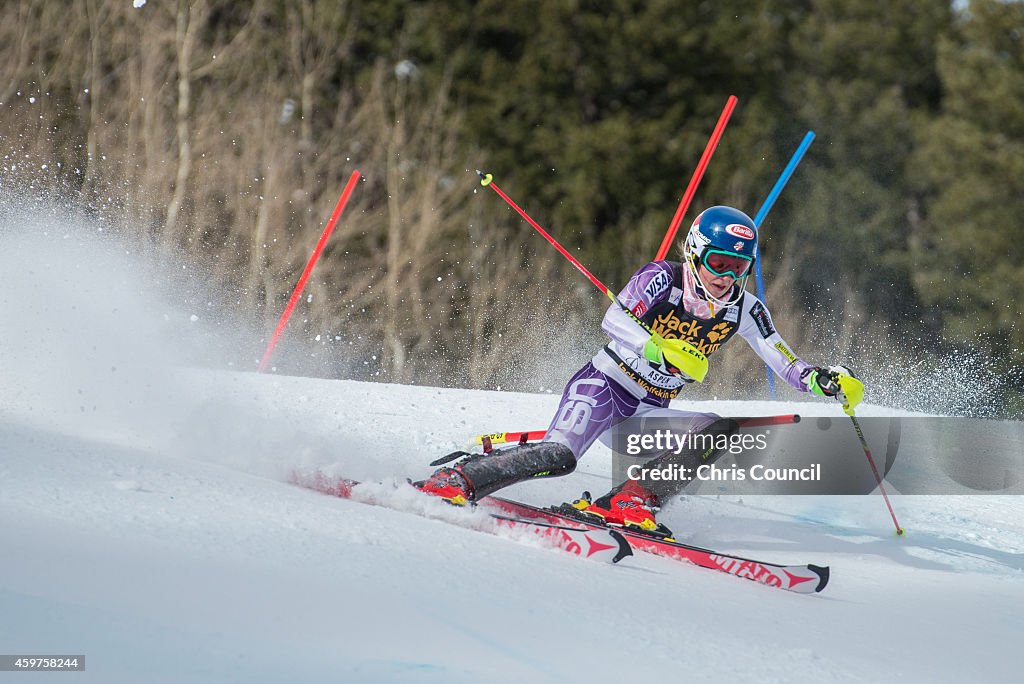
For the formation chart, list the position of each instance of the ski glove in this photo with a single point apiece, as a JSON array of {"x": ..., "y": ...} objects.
[
  {"x": 679, "y": 356},
  {"x": 835, "y": 381}
]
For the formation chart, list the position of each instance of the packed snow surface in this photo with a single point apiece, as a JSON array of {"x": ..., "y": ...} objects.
[{"x": 183, "y": 555}]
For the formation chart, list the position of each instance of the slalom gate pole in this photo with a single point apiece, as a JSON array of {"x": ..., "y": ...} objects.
[
  {"x": 537, "y": 435},
  {"x": 878, "y": 478},
  {"x": 283, "y": 321},
  {"x": 691, "y": 189},
  {"x": 762, "y": 213}
]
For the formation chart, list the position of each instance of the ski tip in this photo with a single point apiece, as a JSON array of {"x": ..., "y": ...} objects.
[{"x": 822, "y": 572}]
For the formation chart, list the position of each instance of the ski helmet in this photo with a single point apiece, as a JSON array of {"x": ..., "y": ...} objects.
[
  {"x": 726, "y": 232},
  {"x": 724, "y": 241}
]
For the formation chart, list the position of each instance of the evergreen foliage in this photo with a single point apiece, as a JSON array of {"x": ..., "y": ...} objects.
[{"x": 229, "y": 127}]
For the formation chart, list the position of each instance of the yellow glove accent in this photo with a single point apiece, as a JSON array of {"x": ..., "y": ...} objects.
[
  {"x": 851, "y": 392},
  {"x": 679, "y": 354}
]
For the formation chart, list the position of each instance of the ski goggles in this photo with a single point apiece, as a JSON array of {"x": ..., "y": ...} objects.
[{"x": 720, "y": 263}]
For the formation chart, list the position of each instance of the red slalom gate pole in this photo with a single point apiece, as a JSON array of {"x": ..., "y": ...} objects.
[
  {"x": 691, "y": 189},
  {"x": 537, "y": 435},
  {"x": 297, "y": 292}
]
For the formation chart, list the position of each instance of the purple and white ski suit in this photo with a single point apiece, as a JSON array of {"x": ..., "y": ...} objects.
[{"x": 619, "y": 382}]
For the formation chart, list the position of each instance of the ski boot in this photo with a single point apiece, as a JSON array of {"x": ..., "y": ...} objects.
[
  {"x": 630, "y": 506},
  {"x": 475, "y": 476},
  {"x": 448, "y": 484}
]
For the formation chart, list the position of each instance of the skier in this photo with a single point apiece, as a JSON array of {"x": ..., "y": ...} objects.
[{"x": 693, "y": 307}]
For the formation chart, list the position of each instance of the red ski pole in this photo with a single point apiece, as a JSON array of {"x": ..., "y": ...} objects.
[
  {"x": 699, "y": 361},
  {"x": 293, "y": 300},
  {"x": 878, "y": 478},
  {"x": 698, "y": 173},
  {"x": 487, "y": 180}
]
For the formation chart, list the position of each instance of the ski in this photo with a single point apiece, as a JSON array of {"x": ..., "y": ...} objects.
[
  {"x": 602, "y": 544},
  {"x": 802, "y": 579}
]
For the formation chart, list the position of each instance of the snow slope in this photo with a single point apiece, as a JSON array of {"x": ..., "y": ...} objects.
[
  {"x": 187, "y": 558},
  {"x": 145, "y": 522}
]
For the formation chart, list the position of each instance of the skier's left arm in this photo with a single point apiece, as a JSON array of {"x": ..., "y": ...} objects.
[{"x": 757, "y": 328}]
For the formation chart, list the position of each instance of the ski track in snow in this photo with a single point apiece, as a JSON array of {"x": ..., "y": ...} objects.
[{"x": 146, "y": 522}]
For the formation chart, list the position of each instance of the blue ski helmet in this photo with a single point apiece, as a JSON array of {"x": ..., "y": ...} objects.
[{"x": 722, "y": 229}]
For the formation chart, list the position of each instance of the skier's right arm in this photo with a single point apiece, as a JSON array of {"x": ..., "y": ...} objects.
[
  {"x": 649, "y": 286},
  {"x": 619, "y": 326}
]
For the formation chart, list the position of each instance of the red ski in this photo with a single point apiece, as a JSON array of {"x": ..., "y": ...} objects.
[
  {"x": 596, "y": 544},
  {"x": 802, "y": 579}
]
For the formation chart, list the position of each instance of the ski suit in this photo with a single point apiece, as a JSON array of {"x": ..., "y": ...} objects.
[{"x": 620, "y": 383}]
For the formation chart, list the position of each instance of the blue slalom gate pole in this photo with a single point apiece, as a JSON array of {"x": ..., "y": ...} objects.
[{"x": 762, "y": 213}]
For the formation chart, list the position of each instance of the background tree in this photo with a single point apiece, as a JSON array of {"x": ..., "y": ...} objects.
[
  {"x": 223, "y": 131},
  {"x": 969, "y": 245}
]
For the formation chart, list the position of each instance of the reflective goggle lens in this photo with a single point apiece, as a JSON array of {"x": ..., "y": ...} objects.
[{"x": 725, "y": 264}]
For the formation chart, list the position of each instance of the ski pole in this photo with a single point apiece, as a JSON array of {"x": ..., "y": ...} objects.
[
  {"x": 698, "y": 173},
  {"x": 762, "y": 213},
  {"x": 878, "y": 478},
  {"x": 487, "y": 180}
]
